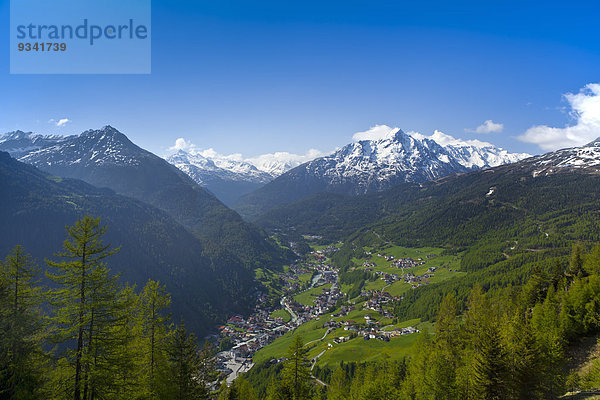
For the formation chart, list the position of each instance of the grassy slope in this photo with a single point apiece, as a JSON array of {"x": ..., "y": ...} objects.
[
  {"x": 359, "y": 349},
  {"x": 443, "y": 263},
  {"x": 281, "y": 313},
  {"x": 307, "y": 297}
]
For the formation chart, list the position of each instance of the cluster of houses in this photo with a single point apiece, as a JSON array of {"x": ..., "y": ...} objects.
[
  {"x": 417, "y": 281},
  {"x": 408, "y": 277},
  {"x": 371, "y": 330},
  {"x": 401, "y": 263},
  {"x": 406, "y": 262},
  {"x": 369, "y": 265},
  {"x": 386, "y": 335},
  {"x": 247, "y": 335},
  {"x": 250, "y": 334},
  {"x": 327, "y": 250},
  {"x": 344, "y": 310},
  {"x": 322, "y": 303},
  {"x": 292, "y": 282},
  {"x": 377, "y": 301},
  {"x": 387, "y": 277}
]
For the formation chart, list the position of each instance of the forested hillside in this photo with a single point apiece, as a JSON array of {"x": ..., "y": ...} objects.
[
  {"x": 76, "y": 332},
  {"x": 504, "y": 221},
  {"x": 107, "y": 158},
  {"x": 509, "y": 343},
  {"x": 206, "y": 281}
]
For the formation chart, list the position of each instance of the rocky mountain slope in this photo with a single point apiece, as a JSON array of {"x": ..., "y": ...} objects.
[
  {"x": 370, "y": 166},
  {"x": 107, "y": 158},
  {"x": 207, "y": 283}
]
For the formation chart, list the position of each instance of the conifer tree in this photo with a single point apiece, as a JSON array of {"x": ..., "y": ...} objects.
[
  {"x": 592, "y": 261},
  {"x": 338, "y": 388},
  {"x": 152, "y": 332},
  {"x": 296, "y": 375},
  {"x": 490, "y": 365},
  {"x": 84, "y": 302},
  {"x": 21, "y": 327},
  {"x": 576, "y": 263},
  {"x": 190, "y": 369}
]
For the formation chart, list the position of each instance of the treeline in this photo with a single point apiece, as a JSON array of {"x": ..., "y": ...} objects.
[
  {"x": 84, "y": 336},
  {"x": 424, "y": 301},
  {"x": 357, "y": 279},
  {"x": 511, "y": 344},
  {"x": 507, "y": 343}
]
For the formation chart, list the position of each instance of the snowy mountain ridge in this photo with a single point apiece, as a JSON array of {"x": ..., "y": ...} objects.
[
  {"x": 373, "y": 165},
  {"x": 104, "y": 146},
  {"x": 19, "y": 143},
  {"x": 203, "y": 169},
  {"x": 586, "y": 158}
]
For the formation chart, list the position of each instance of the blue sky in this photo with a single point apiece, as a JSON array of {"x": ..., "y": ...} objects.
[{"x": 258, "y": 77}]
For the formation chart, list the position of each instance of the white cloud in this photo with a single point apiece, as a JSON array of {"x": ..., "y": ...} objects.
[
  {"x": 286, "y": 157},
  {"x": 211, "y": 153},
  {"x": 60, "y": 122},
  {"x": 444, "y": 139},
  {"x": 182, "y": 144},
  {"x": 488, "y": 126},
  {"x": 375, "y": 133},
  {"x": 585, "y": 110}
]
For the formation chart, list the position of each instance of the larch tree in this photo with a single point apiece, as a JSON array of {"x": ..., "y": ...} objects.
[
  {"x": 296, "y": 374},
  {"x": 85, "y": 300},
  {"x": 152, "y": 332},
  {"x": 190, "y": 368},
  {"x": 21, "y": 327}
]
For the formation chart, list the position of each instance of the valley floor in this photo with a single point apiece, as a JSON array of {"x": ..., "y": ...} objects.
[{"x": 315, "y": 305}]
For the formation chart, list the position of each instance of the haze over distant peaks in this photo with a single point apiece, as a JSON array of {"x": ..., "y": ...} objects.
[{"x": 227, "y": 178}]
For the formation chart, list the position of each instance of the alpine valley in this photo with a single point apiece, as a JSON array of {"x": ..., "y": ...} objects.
[{"x": 386, "y": 264}]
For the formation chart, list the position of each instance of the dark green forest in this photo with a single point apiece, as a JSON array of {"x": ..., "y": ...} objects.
[
  {"x": 207, "y": 281},
  {"x": 77, "y": 332}
]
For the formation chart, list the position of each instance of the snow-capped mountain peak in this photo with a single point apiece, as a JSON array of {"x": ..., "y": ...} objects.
[
  {"x": 19, "y": 143},
  {"x": 199, "y": 166},
  {"x": 390, "y": 158},
  {"x": 226, "y": 176},
  {"x": 473, "y": 154},
  {"x": 394, "y": 156},
  {"x": 277, "y": 163},
  {"x": 102, "y": 146}
]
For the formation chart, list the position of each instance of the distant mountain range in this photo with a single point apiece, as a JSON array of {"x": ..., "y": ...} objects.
[
  {"x": 254, "y": 187},
  {"x": 107, "y": 158},
  {"x": 226, "y": 178},
  {"x": 231, "y": 177},
  {"x": 20, "y": 143},
  {"x": 547, "y": 199},
  {"x": 370, "y": 166}
]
